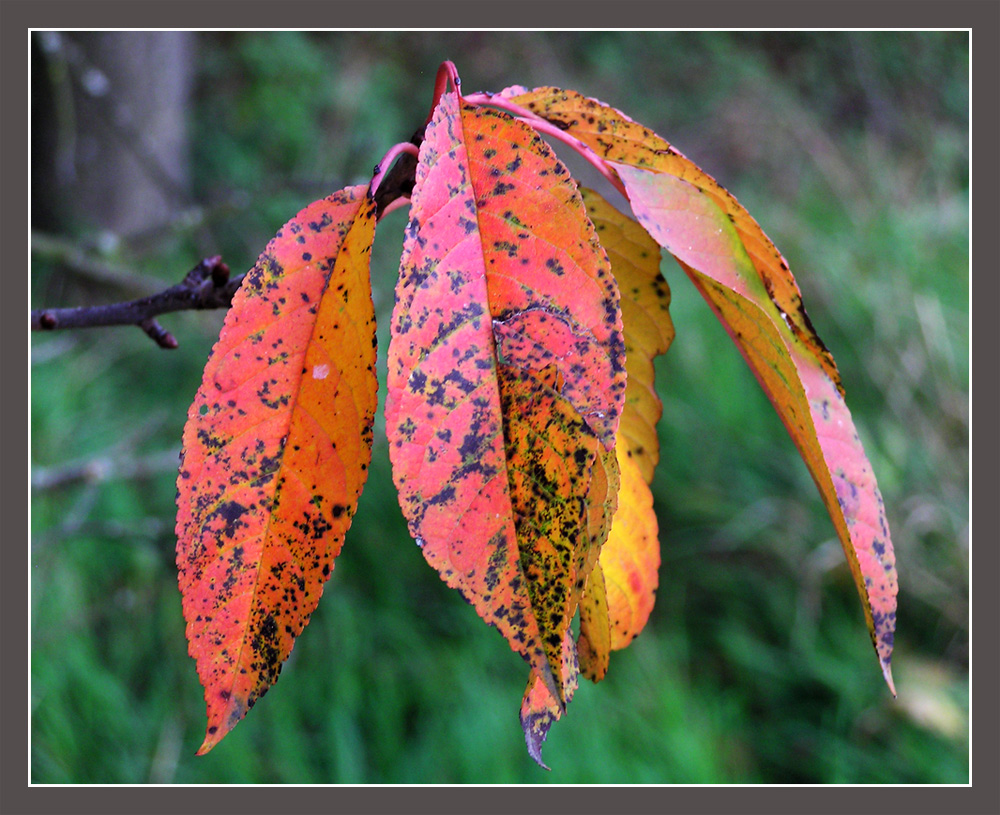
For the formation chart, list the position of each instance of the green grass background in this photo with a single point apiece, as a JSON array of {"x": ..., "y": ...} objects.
[{"x": 850, "y": 149}]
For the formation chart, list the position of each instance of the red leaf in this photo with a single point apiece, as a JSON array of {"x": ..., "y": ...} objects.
[
  {"x": 276, "y": 451},
  {"x": 749, "y": 286},
  {"x": 506, "y": 331}
]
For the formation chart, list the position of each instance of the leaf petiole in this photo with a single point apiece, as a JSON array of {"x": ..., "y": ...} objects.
[
  {"x": 543, "y": 126},
  {"x": 387, "y": 161},
  {"x": 397, "y": 203},
  {"x": 447, "y": 71}
]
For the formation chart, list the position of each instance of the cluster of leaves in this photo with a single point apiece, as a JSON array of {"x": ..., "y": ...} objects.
[{"x": 520, "y": 406}]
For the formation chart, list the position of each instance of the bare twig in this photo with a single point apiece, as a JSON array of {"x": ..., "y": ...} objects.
[
  {"x": 206, "y": 286},
  {"x": 73, "y": 257},
  {"x": 104, "y": 468}
]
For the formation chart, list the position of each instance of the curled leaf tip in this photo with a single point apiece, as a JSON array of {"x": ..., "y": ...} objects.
[
  {"x": 887, "y": 673},
  {"x": 535, "y": 731}
]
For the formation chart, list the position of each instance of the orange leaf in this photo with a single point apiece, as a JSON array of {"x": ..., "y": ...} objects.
[
  {"x": 750, "y": 288},
  {"x": 614, "y": 608},
  {"x": 276, "y": 451},
  {"x": 820, "y": 424},
  {"x": 559, "y": 490},
  {"x": 545, "y": 556},
  {"x": 506, "y": 375},
  {"x": 611, "y": 616},
  {"x": 621, "y": 590}
]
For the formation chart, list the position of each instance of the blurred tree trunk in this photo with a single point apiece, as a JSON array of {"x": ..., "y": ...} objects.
[{"x": 110, "y": 142}]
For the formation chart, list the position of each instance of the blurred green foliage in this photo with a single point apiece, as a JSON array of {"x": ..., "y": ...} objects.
[{"x": 851, "y": 150}]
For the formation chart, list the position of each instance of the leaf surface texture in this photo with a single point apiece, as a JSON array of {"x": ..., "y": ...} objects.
[
  {"x": 506, "y": 378},
  {"x": 276, "y": 451},
  {"x": 749, "y": 286}
]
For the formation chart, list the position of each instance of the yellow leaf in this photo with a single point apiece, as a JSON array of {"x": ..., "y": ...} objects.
[{"x": 646, "y": 324}]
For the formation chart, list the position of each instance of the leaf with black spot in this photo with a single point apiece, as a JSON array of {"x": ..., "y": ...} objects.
[
  {"x": 506, "y": 357},
  {"x": 275, "y": 452}
]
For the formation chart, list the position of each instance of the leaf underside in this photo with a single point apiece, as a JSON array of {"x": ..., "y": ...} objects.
[
  {"x": 276, "y": 451},
  {"x": 621, "y": 587}
]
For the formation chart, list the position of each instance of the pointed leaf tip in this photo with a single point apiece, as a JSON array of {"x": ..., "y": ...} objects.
[
  {"x": 887, "y": 673},
  {"x": 540, "y": 707},
  {"x": 534, "y": 741}
]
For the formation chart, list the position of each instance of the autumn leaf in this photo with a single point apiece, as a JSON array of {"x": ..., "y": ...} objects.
[
  {"x": 646, "y": 324},
  {"x": 521, "y": 406},
  {"x": 563, "y": 486},
  {"x": 540, "y": 707},
  {"x": 506, "y": 377},
  {"x": 276, "y": 451},
  {"x": 594, "y": 643},
  {"x": 748, "y": 284},
  {"x": 622, "y": 589},
  {"x": 615, "y": 609}
]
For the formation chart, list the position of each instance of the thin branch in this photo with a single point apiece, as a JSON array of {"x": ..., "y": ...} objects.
[
  {"x": 206, "y": 286},
  {"x": 380, "y": 169},
  {"x": 104, "y": 468},
  {"x": 71, "y": 256},
  {"x": 446, "y": 72},
  {"x": 397, "y": 203}
]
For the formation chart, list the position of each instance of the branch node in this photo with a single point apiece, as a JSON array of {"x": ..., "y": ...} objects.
[
  {"x": 206, "y": 286},
  {"x": 220, "y": 270},
  {"x": 197, "y": 274},
  {"x": 158, "y": 333}
]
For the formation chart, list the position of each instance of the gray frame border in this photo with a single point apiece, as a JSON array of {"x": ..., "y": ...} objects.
[{"x": 982, "y": 17}]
